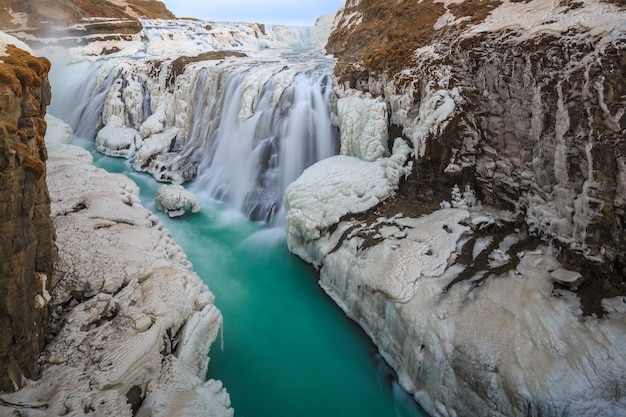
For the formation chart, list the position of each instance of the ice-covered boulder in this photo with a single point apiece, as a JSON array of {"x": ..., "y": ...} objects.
[
  {"x": 175, "y": 200},
  {"x": 116, "y": 140},
  {"x": 153, "y": 146},
  {"x": 340, "y": 185}
]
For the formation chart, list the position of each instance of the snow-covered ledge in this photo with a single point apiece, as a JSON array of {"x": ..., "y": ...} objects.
[{"x": 133, "y": 322}]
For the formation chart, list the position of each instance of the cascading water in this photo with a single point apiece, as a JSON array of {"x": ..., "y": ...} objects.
[
  {"x": 245, "y": 130},
  {"x": 250, "y": 163},
  {"x": 247, "y": 127}
]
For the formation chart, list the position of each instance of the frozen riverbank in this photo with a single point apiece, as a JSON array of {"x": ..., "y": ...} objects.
[{"x": 132, "y": 322}]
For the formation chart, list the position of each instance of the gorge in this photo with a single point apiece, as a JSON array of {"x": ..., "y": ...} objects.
[{"x": 454, "y": 172}]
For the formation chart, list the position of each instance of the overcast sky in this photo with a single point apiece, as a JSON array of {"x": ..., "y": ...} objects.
[{"x": 288, "y": 12}]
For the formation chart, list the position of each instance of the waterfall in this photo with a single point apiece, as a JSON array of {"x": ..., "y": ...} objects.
[
  {"x": 80, "y": 104},
  {"x": 240, "y": 130},
  {"x": 250, "y": 163}
]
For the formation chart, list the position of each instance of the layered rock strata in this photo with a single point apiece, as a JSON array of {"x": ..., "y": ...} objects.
[
  {"x": 27, "y": 248},
  {"x": 131, "y": 322},
  {"x": 507, "y": 296}
]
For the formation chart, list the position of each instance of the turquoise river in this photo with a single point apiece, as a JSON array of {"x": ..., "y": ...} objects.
[{"x": 287, "y": 349}]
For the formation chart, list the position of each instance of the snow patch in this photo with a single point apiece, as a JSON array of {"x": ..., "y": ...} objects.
[
  {"x": 6, "y": 39},
  {"x": 537, "y": 16}
]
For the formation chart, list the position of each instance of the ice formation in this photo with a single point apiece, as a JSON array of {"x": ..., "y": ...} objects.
[
  {"x": 175, "y": 200},
  {"x": 481, "y": 309},
  {"x": 132, "y": 322},
  {"x": 445, "y": 341},
  {"x": 338, "y": 186},
  {"x": 363, "y": 118}
]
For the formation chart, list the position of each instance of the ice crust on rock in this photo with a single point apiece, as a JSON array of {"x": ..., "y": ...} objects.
[
  {"x": 423, "y": 250},
  {"x": 128, "y": 311},
  {"x": 510, "y": 344},
  {"x": 340, "y": 185},
  {"x": 175, "y": 200},
  {"x": 363, "y": 126}
]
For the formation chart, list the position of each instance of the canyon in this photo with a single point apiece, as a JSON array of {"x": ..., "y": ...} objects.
[{"x": 461, "y": 194}]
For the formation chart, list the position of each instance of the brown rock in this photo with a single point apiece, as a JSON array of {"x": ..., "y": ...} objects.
[{"x": 27, "y": 248}]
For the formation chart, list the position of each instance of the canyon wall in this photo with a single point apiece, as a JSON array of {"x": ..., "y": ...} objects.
[
  {"x": 489, "y": 268},
  {"x": 62, "y": 13},
  {"x": 27, "y": 248},
  {"x": 538, "y": 118}
]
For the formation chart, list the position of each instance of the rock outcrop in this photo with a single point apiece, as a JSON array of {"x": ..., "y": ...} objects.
[
  {"x": 526, "y": 108},
  {"x": 507, "y": 296},
  {"x": 62, "y": 13},
  {"x": 27, "y": 249}
]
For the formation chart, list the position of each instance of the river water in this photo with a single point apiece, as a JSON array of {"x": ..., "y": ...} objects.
[{"x": 287, "y": 349}]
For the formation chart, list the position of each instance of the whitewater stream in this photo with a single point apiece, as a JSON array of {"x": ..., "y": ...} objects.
[{"x": 286, "y": 348}]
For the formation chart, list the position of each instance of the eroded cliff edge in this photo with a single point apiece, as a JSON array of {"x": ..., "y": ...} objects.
[
  {"x": 473, "y": 223},
  {"x": 27, "y": 248}
]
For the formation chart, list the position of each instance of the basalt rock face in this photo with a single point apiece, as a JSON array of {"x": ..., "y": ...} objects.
[
  {"x": 530, "y": 113},
  {"x": 27, "y": 248}
]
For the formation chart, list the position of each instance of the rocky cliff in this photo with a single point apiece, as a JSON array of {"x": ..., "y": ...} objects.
[
  {"x": 489, "y": 269},
  {"x": 61, "y": 13},
  {"x": 27, "y": 249},
  {"x": 538, "y": 120}
]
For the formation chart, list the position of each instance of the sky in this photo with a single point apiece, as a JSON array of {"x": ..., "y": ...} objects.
[{"x": 286, "y": 12}]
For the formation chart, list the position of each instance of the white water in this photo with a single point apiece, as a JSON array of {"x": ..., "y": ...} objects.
[
  {"x": 249, "y": 163},
  {"x": 246, "y": 128}
]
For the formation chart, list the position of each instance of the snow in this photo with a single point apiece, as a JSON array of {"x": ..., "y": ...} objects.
[
  {"x": 155, "y": 123},
  {"x": 538, "y": 16},
  {"x": 434, "y": 113},
  {"x": 152, "y": 146},
  {"x": 340, "y": 185},
  {"x": 116, "y": 140},
  {"x": 421, "y": 253},
  {"x": 513, "y": 338},
  {"x": 143, "y": 318},
  {"x": 570, "y": 278},
  {"x": 19, "y": 19},
  {"x": 363, "y": 126},
  {"x": 6, "y": 39}
]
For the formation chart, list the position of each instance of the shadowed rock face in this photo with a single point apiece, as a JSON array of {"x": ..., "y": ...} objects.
[
  {"x": 27, "y": 249},
  {"x": 539, "y": 120}
]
